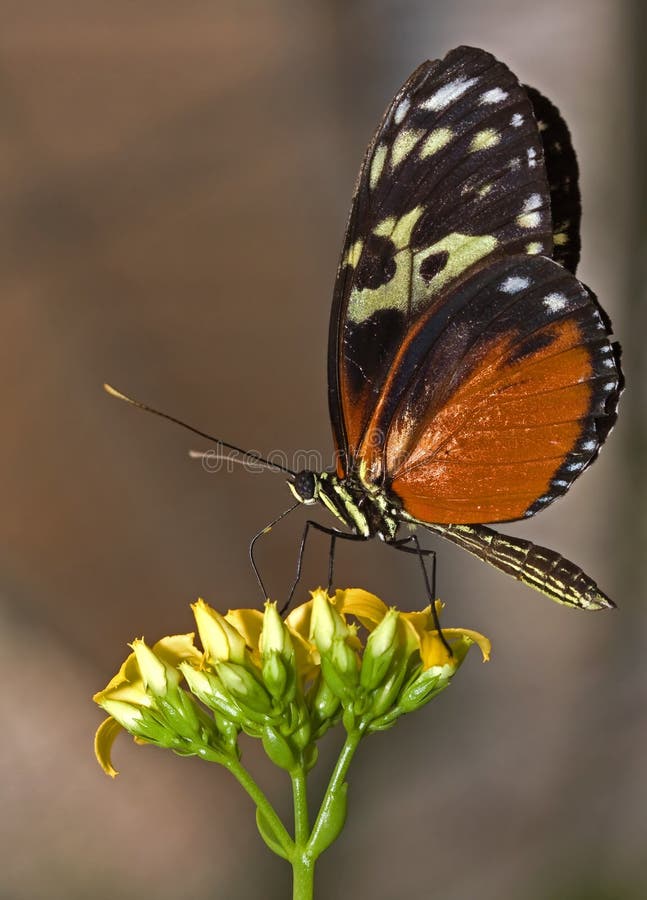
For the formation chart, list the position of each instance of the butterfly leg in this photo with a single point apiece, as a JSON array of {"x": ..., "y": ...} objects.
[
  {"x": 252, "y": 546},
  {"x": 333, "y": 534},
  {"x": 430, "y": 584}
]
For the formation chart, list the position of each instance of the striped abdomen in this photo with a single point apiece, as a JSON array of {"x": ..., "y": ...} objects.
[{"x": 539, "y": 568}]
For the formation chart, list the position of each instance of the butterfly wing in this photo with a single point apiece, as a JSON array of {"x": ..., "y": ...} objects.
[
  {"x": 470, "y": 374},
  {"x": 453, "y": 179},
  {"x": 563, "y": 179},
  {"x": 498, "y": 401}
]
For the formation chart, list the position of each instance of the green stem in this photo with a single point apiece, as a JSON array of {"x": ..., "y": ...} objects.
[
  {"x": 303, "y": 863},
  {"x": 301, "y": 823},
  {"x": 246, "y": 781},
  {"x": 303, "y": 877},
  {"x": 332, "y": 795}
]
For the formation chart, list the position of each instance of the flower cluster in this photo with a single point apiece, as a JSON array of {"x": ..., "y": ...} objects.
[{"x": 286, "y": 682}]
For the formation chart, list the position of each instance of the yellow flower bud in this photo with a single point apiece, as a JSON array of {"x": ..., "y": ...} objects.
[
  {"x": 221, "y": 641},
  {"x": 157, "y": 677}
]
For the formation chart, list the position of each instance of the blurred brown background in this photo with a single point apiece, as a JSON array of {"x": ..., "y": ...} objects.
[{"x": 175, "y": 180}]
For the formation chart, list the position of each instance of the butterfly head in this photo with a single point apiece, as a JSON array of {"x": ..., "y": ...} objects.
[{"x": 305, "y": 487}]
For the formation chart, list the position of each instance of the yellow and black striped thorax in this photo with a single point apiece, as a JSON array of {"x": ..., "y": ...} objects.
[{"x": 364, "y": 511}]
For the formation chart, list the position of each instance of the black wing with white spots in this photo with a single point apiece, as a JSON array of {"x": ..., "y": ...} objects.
[{"x": 453, "y": 180}]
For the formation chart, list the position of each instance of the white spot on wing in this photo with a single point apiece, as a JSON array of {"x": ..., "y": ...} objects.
[
  {"x": 574, "y": 466},
  {"x": 517, "y": 120},
  {"x": 589, "y": 445},
  {"x": 445, "y": 95},
  {"x": 559, "y": 482},
  {"x": 533, "y": 202},
  {"x": 532, "y": 157},
  {"x": 495, "y": 95},
  {"x": 609, "y": 363},
  {"x": 556, "y": 301},
  {"x": 514, "y": 283},
  {"x": 401, "y": 110}
]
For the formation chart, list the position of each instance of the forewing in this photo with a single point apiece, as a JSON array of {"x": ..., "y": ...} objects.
[
  {"x": 453, "y": 179},
  {"x": 563, "y": 179},
  {"x": 495, "y": 406}
]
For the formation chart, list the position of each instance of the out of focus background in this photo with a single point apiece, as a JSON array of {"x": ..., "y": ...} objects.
[{"x": 174, "y": 182}]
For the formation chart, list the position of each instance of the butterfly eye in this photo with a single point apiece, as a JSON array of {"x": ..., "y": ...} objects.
[{"x": 305, "y": 486}]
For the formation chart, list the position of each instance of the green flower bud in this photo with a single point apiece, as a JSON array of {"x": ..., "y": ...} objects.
[
  {"x": 244, "y": 688},
  {"x": 326, "y": 624},
  {"x": 345, "y": 661},
  {"x": 275, "y": 636},
  {"x": 380, "y": 649},
  {"x": 325, "y": 702},
  {"x": 275, "y": 675},
  {"x": 425, "y": 686},
  {"x": 278, "y": 749},
  {"x": 208, "y": 688},
  {"x": 302, "y": 736},
  {"x": 387, "y": 693},
  {"x": 341, "y": 685}
]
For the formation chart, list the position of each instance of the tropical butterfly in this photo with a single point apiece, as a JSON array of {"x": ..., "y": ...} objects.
[{"x": 471, "y": 376}]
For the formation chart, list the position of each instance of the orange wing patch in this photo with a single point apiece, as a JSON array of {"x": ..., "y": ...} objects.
[{"x": 495, "y": 446}]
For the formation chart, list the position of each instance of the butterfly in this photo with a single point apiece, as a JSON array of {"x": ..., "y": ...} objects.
[{"x": 471, "y": 376}]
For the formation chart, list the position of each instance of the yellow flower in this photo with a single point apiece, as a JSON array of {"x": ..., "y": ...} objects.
[
  {"x": 145, "y": 674},
  {"x": 284, "y": 680}
]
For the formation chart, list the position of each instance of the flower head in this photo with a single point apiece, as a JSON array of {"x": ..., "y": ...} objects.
[{"x": 285, "y": 681}]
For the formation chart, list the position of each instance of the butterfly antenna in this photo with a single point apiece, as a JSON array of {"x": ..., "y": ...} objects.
[{"x": 248, "y": 454}]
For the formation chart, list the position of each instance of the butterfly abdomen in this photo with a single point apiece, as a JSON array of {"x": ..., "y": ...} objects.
[{"x": 542, "y": 569}]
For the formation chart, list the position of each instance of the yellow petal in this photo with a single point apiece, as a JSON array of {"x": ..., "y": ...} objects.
[
  {"x": 175, "y": 648},
  {"x": 128, "y": 673},
  {"x": 434, "y": 653},
  {"x": 153, "y": 670},
  {"x": 366, "y": 607},
  {"x": 249, "y": 623},
  {"x": 299, "y": 619},
  {"x": 103, "y": 741},
  {"x": 220, "y": 639}
]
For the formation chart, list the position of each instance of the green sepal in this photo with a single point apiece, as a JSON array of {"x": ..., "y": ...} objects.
[
  {"x": 249, "y": 694},
  {"x": 302, "y": 736},
  {"x": 386, "y": 721},
  {"x": 275, "y": 675},
  {"x": 379, "y": 652},
  {"x": 325, "y": 702},
  {"x": 310, "y": 755},
  {"x": 228, "y": 732},
  {"x": 180, "y": 712},
  {"x": 384, "y": 697},
  {"x": 278, "y": 749},
  {"x": 421, "y": 691},
  {"x": 338, "y": 684},
  {"x": 270, "y": 837},
  {"x": 330, "y": 821}
]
